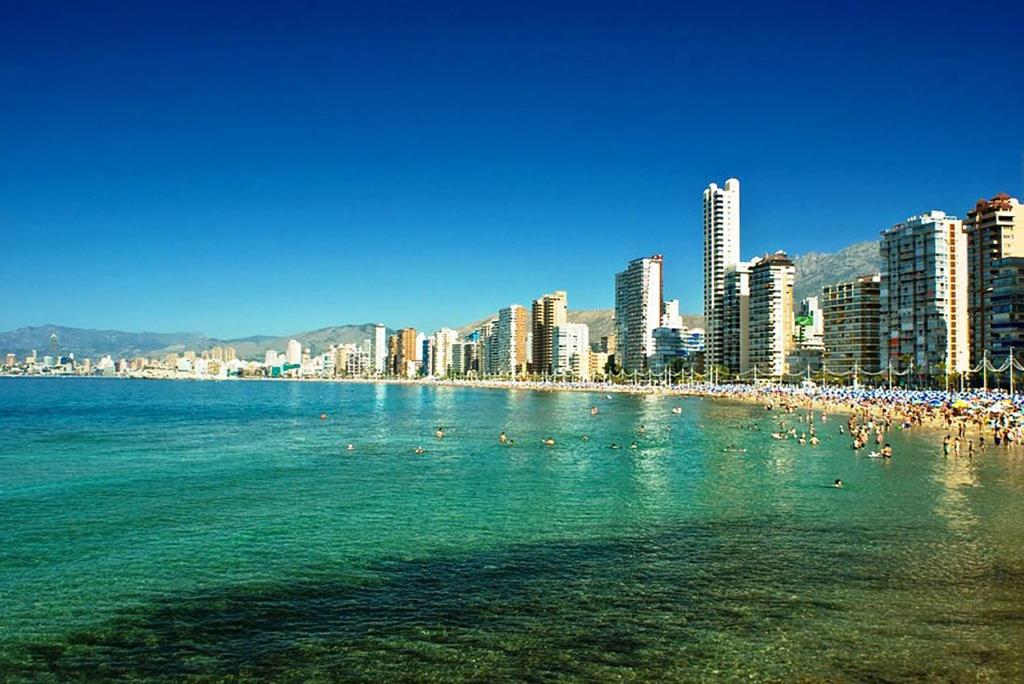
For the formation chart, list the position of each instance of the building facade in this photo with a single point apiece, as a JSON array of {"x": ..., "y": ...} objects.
[
  {"x": 721, "y": 250},
  {"x": 550, "y": 311},
  {"x": 638, "y": 309},
  {"x": 851, "y": 314},
  {"x": 402, "y": 353},
  {"x": 734, "y": 318},
  {"x": 995, "y": 230},
  {"x": 571, "y": 351},
  {"x": 771, "y": 313},
  {"x": 511, "y": 338},
  {"x": 924, "y": 294},
  {"x": 1007, "y": 311}
]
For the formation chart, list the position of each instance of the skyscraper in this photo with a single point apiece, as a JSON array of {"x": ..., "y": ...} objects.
[
  {"x": 721, "y": 250},
  {"x": 402, "y": 353},
  {"x": 549, "y": 312},
  {"x": 511, "y": 336},
  {"x": 380, "y": 348},
  {"x": 924, "y": 294},
  {"x": 734, "y": 317},
  {"x": 638, "y": 308},
  {"x": 771, "y": 313},
  {"x": 995, "y": 230}
]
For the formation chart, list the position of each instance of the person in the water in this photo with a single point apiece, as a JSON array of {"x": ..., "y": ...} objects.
[
  {"x": 419, "y": 450},
  {"x": 549, "y": 441},
  {"x": 593, "y": 410},
  {"x": 350, "y": 447},
  {"x": 634, "y": 445},
  {"x": 838, "y": 484},
  {"x": 440, "y": 432},
  {"x": 886, "y": 451},
  {"x": 615, "y": 445},
  {"x": 502, "y": 438}
]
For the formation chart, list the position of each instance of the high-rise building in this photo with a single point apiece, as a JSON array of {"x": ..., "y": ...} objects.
[
  {"x": 670, "y": 317},
  {"x": 721, "y": 250},
  {"x": 1007, "y": 306},
  {"x": 442, "y": 352},
  {"x": 230, "y": 354},
  {"x": 995, "y": 230},
  {"x": 464, "y": 357},
  {"x": 549, "y": 312},
  {"x": 402, "y": 353},
  {"x": 511, "y": 336},
  {"x": 380, "y": 348},
  {"x": 638, "y": 308},
  {"x": 270, "y": 358},
  {"x": 851, "y": 315},
  {"x": 571, "y": 350},
  {"x": 809, "y": 328},
  {"x": 924, "y": 294},
  {"x": 771, "y": 313},
  {"x": 11, "y": 361},
  {"x": 487, "y": 347},
  {"x": 293, "y": 355},
  {"x": 734, "y": 318}
]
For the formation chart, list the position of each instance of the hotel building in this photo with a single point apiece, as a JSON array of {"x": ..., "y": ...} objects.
[
  {"x": 771, "y": 313},
  {"x": 995, "y": 230},
  {"x": 924, "y": 294},
  {"x": 721, "y": 250},
  {"x": 638, "y": 309},
  {"x": 851, "y": 315},
  {"x": 549, "y": 312}
]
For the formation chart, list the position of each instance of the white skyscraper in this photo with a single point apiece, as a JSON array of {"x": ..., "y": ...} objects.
[
  {"x": 380, "y": 348},
  {"x": 638, "y": 309},
  {"x": 721, "y": 250},
  {"x": 294, "y": 354}
]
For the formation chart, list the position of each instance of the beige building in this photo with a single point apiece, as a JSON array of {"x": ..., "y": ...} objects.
[
  {"x": 851, "y": 316},
  {"x": 771, "y": 313},
  {"x": 924, "y": 294},
  {"x": 549, "y": 312},
  {"x": 995, "y": 229},
  {"x": 510, "y": 337},
  {"x": 402, "y": 353}
]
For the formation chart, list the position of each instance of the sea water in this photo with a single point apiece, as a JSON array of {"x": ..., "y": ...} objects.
[{"x": 162, "y": 529}]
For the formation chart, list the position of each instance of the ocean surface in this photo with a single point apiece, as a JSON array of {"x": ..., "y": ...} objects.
[{"x": 156, "y": 530}]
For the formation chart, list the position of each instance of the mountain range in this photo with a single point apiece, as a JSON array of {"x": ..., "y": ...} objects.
[{"x": 813, "y": 270}]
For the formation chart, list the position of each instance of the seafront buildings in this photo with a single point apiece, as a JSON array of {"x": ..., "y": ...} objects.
[
  {"x": 771, "y": 313},
  {"x": 851, "y": 313},
  {"x": 550, "y": 311},
  {"x": 924, "y": 295},
  {"x": 721, "y": 251},
  {"x": 639, "y": 299},
  {"x": 995, "y": 230},
  {"x": 946, "y": 290}
]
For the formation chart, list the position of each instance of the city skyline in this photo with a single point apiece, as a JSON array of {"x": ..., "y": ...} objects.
[{"x": 158, "y": 179}]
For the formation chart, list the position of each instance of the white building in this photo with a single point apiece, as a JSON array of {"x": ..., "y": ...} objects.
[
  {"x": 570, "y": 347},
  {"x": 441, "y": 360},
  {"x": 270, "y": 358},
  {"x": 671, "y": 317},
  {"x": 721, "y": 250},
  {"x": 924, "y": 294},
  {"x": 380, "y": 348},
  {"x": 638, "y": 304},
  {"x": 294, "y": 354},
  {"x": 512, "y": 336},
  {"x": 771, "y": 313}
]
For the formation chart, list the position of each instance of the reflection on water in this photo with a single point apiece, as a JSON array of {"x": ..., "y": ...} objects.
[{"x": 222, "y": 529}]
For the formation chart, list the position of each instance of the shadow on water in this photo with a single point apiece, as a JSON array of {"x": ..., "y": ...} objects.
[{"x": 688, "y": 602}]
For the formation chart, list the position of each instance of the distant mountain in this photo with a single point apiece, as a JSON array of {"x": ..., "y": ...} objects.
[
  {"x": 816, "y": 269},
  {"x": 86, "y": 343}
]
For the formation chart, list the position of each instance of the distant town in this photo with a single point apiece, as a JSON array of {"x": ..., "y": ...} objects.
[{"x": 945, "y": 310}]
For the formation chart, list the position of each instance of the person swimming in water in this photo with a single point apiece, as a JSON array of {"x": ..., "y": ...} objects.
[
  {"x": 350, "y": 447},
  {"x": 614, "y": 445},
  {"x": 634, "y": 445},
  {"x": 549, "y": 441},
  {"x": 838, "y": 484},
  {"x": 502, "y": 438},
  {"x": 886, "y": 451},
  {"x": 419, "y": 450},
  {"x": 440, "y": 432},
  {"x": 593, "y": 410},
  {"x": 323, "y": 416}
]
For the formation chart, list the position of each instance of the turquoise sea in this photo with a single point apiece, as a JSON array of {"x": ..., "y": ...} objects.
[{"x": 155, "y": 530}]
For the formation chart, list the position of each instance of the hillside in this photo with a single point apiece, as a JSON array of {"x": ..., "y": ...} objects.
[
  {"x": 816, "y": 269},
  {"x": 85, "y": 343}
]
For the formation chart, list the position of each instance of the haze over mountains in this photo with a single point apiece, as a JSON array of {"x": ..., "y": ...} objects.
[{"x": 813, "y": 270}]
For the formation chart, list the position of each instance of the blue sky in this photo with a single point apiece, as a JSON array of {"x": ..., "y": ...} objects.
[{"x": 267, "y": 168}]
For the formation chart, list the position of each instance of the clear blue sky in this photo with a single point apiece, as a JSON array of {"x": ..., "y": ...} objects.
[{"x": 240, "y": 168}]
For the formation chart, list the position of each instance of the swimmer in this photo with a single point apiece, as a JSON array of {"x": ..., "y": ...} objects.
[
  {"x": 549, "y": 441},
  {"x": 350, "y": 447},
  {"x": 778, "y": 435},
  {"x": 802, "y": 440},
  {"x": 677, "y": 409},
  {"x": 886, "y": 451},
  {"x": 585, "y": 438},
  {"x": 419, "y": 450},
  {"x": 614, "y": 445},
  {"x": 502, "y": 438},
  {"x": 593, "y": 410},
  {"x": 838, "y": 484},
  {"x": 634, "y": 445},
  {"x": 323, "y": 416},
  {"x": 815, "y": 441}
]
